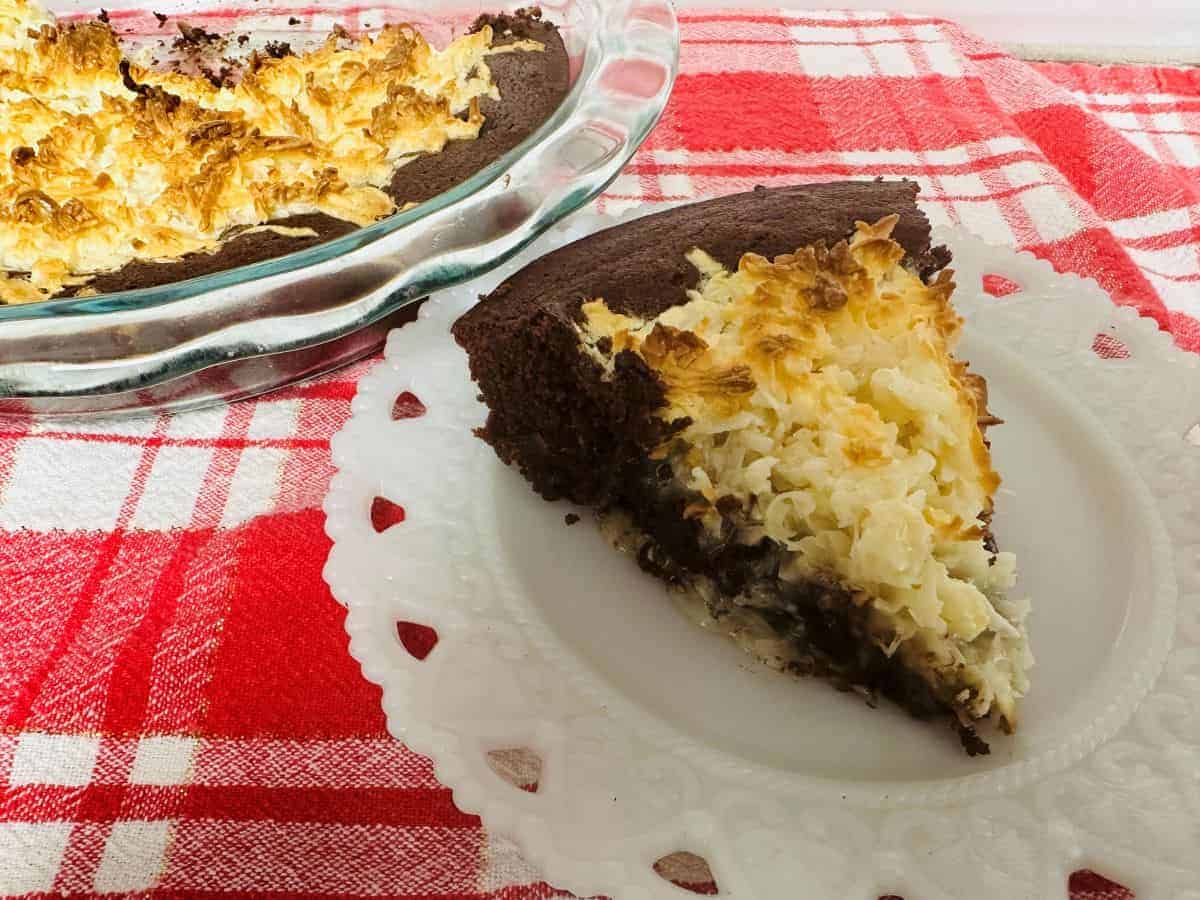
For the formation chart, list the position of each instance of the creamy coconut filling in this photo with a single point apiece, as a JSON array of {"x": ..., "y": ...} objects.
[
  {"x": 104, "y": 162},
  {"x": 826, "y": 413}
]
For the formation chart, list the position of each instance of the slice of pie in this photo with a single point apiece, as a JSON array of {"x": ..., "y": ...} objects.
[{"x": 758, "y": 394}]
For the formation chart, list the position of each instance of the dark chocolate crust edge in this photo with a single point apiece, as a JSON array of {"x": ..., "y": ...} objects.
[
  {"x": 550, "y": 413},
  {"x": 820, "y": 620},
  {"x": 532, "y": 86}
]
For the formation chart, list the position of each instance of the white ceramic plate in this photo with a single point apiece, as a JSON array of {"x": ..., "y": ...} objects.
[{"x": 656, "y": 736}]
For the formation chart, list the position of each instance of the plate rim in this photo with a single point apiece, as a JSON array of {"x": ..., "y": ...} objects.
[{"x": 1140, "y": 334}]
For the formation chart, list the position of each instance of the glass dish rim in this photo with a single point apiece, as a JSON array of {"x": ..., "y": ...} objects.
[{"x": 165, "y": 294}]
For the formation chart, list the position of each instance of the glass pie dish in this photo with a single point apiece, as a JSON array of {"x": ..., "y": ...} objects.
[{"x": 250, "y": 329}]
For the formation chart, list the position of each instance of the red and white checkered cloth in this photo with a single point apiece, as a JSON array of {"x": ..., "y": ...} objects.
[{"x": 178, "y": 712}]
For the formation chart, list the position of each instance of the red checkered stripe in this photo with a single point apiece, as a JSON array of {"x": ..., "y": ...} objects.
[
  {"x": 97, "y": 813},
  {"x": 178, "y": 713},
  {"x": 1017, "y": 154},
  {"x": 1158, "y": 111}
]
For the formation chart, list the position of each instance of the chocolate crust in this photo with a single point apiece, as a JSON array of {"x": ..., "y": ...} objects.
[
  {"x": 532, "y": 86},
  {"x": 820, "y": 620},
  {"x": 651, "y": 250},
  {"x": 239, "y": 251},
  {"x": 569, "y": 430}
]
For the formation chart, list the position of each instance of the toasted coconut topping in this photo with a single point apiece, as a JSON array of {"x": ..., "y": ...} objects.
[
  {"x": 825, "y": 411},
  {"x": 104, "y": 162}
]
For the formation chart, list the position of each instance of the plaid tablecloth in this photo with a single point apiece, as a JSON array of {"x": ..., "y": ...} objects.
[{"x": 178, "y": 712}]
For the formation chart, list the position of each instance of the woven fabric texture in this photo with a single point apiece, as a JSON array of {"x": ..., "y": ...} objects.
[{"x": 178, "y": 711}]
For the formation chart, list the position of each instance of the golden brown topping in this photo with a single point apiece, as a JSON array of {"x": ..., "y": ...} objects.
[
  {"x": 680, "y": 359},
  {"x": 820, "y": 401},
  {"x": 826, "y": 293},
  {"x": 83, "y": 47},
  {"x": 667, "y": 346},
  {"x": 170, "y": 163},
  {"x": 976, "y": 386},
  {"x": 70, "y": 218},
  {"x": 820, "y": 274},
  {"x": 34, "y": 206},
  {"x": 776, "y": 345}
]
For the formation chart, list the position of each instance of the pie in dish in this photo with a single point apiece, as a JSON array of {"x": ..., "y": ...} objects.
[
  {"x": 758, "y": 395},
  {"x": 116, "y": 173}
]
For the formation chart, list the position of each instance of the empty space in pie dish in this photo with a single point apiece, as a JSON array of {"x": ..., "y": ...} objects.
[{"x": 1071, "y": 509}]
